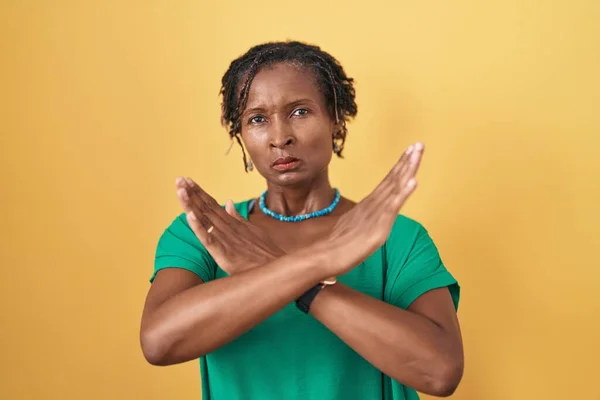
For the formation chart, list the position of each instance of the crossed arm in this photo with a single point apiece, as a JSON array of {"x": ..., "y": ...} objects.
[{"x": 419, "y": 347}]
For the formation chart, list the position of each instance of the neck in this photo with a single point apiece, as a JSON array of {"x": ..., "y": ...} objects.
[{"x": 301, "y": 199}]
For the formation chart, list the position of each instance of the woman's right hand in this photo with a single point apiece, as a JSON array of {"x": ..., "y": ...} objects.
[
  {"x": 365, "y": 228},
  {"x": 234, "y": 243}
]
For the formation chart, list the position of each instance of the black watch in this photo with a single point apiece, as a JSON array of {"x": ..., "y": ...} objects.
[{"x": 303, "y": 302}]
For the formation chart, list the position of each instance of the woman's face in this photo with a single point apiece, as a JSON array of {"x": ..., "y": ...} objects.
[{"x": 286, "y": 126}]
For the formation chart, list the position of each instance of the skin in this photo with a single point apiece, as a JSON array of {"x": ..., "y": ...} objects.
[{"x": 184, "y": 318}]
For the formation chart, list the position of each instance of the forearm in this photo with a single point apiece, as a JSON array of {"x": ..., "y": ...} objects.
[
  {"x": 205, "y": 317},
  {"x": 404, "y": 345}
]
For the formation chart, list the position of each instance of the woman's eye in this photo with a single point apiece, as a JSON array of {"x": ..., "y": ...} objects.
[
  {"x": 300, "y": 112},
  {"x": 257, "y": 119}
]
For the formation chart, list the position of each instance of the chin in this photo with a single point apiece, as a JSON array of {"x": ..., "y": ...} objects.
[{"x": 292, "y": 178}]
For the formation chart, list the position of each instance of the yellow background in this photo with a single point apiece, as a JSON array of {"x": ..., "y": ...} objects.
[{"x": 104, "y": 103}]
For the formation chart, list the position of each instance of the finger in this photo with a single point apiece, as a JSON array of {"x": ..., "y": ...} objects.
[
  {"x": 204, "y": 204},
  {"x": 401, "y": 162},
  {"x": 405, "y": 192},
  {"x": 409, "y": 168},
  {"x": 182, "y": 193},
  {"x": 184, "y": 199},
  {"x": 194, "y": 188},
  {"x": 202, "y": 226},
  {"x": 199, "y": 230},
  {"x": 189, "y": 206},
  {"x": 230, "y": 208},
  {"x": 390, "y": 182},
  {"x": 180, "y": 182},
  {"x": 208, "y": 215},
  {"x": 414, "y": 161},
  {"x": 189, "y": 202},
  {"x": 389, "y": 185},
  {"x": 405, "y": 157}
]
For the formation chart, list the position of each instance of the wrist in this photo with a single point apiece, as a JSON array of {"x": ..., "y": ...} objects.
[
  {"x": 305, "y": 301},
  {"x": 318, "y": 261},
  {"x": 329, "y": 253}
]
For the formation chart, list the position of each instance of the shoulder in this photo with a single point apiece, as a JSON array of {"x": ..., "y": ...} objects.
[
  {"x": 408, "y": 238},
  {"x": 405, "y": 230},
  {"x": 414, "y": 265}
]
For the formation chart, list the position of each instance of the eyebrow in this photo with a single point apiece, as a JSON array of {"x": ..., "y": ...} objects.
[{"x": 288, "y": 105}]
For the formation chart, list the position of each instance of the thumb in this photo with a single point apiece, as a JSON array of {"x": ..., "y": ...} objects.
[{"x": 230, "y": 208}]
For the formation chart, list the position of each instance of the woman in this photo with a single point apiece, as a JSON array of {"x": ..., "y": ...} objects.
[{"x": 302, "y": 293}]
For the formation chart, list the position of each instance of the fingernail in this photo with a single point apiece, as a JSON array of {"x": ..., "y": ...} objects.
[
  {"x": 419, "y": 146},
  {"x": 410, "y": 149},
  {"x": 191, "y": 215},
  {"x": 411, "y": 183}
]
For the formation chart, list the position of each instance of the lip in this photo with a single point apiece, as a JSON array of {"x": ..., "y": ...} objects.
[{"x": 285, "y": 163}]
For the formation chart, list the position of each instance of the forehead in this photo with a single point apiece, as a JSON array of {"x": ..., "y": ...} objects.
[{"x": 282, "y": 83}]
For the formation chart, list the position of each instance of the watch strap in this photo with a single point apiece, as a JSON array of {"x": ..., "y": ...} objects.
[{"x": 303, "y": 302}]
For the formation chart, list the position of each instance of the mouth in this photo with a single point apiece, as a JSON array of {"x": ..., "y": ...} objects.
[{"x": 285, "y": 163}]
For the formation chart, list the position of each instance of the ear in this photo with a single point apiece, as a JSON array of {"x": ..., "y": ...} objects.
[
  {"x": 338, "y": 137},
  {"x": 336, "y": 127}
]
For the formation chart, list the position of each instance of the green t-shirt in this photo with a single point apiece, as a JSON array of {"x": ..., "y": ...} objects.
[{"x": 293, "y": 356}]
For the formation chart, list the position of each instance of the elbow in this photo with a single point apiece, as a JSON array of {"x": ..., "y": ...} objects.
[
  {"x": 448, "y": 377},
  {"x": 162, "y": 348},
  {"x": 155, "y": 347}
]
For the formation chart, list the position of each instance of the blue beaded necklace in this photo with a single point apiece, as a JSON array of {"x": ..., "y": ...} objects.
[{"x": 301, "y": 217}]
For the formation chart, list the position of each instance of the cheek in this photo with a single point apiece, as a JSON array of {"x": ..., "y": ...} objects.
[
  {"x": 320, "y": 143},
  {"x": 319, "y": 133},
  {"x": 253, "y": 142}
]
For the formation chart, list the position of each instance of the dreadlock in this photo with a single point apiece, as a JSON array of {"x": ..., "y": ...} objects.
[{"x": 337, "y": 88}]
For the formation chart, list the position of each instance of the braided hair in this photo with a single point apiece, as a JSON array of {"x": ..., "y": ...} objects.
[{"x": 337, "y": 88}]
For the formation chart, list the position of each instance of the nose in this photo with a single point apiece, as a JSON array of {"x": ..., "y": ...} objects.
[{"x": 281, "y": 135}]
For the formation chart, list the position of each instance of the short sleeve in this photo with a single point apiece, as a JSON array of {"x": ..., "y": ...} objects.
[
  {"x": 414, "y": 265},
  {"x": 178, "y": 247}
]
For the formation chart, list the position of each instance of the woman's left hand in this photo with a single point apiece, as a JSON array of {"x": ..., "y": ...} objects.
[{"x": 234, "y": 243}]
